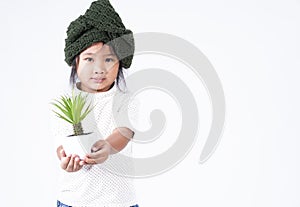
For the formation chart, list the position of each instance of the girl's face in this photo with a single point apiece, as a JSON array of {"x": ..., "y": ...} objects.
[{"x": 97, "y": 68}]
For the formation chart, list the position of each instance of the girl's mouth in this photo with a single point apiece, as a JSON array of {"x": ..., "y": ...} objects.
[{"x": 98, "y": 80}]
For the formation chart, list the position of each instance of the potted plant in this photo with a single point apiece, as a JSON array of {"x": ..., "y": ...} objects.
[{"x": 73, "y": 110}]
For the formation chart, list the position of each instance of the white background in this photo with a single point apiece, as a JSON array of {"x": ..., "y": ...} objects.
[{"x": 254, "y": 47}]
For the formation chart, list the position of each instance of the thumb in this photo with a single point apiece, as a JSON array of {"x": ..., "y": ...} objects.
[{"x": 98, "y": 145}]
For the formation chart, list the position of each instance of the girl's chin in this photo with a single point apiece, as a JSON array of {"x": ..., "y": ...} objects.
[
  {"x": 101, "y": 89},
  {"x": 97, "y": 87}
]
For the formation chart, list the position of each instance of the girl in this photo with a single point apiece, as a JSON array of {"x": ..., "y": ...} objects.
[{"x": 97, "y": 50}]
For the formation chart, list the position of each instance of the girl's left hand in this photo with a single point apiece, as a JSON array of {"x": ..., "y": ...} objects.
[{"x": 100, "y": 152}]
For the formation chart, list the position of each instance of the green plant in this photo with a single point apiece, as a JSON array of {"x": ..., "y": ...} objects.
[{"x": 72, "y": 110}]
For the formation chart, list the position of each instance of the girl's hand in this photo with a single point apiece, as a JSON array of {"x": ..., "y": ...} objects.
[
  {"x": 70, "y": 163},
  {"x": 100, "y": 152}
]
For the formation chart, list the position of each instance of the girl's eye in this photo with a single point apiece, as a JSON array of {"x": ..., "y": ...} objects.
[
  {"x": 89, "y": 59},
  {"x": 108, "y": 60}
]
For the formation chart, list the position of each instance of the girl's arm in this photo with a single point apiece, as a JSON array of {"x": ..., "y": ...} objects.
[
  {"x": 114, "y": 143},
  {"x": 119, "y": 139}
]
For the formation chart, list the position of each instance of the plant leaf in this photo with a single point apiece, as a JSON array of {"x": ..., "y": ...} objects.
[
  {"x": 72, "y": 108},
  {"x": 66, "y": 112},
  {"x": 62, "y": 117}
]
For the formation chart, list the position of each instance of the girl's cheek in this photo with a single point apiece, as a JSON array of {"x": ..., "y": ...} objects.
[{"x": 86, "y": 68}]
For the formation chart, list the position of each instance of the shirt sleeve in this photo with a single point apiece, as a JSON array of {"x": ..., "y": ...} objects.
[{"x": 128, "y": 114}]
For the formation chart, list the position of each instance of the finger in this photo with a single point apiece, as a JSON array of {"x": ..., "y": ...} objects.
[
  {"x": 62, "y": 153},
  {"x": 95, "y": 155},
  {"x": 98, "y": 145},
  {"x": 82, "y": 162},
  {"x": 65, "y": 161},
  {"x": 89, "y": 161},
  {"x": 100, "y": 153},
  {"x": 96, "y": 148},
  {"x": 96, "y": 160},
  {"x": 76, "y": 164},
  {"x": 70, "y": 166}
]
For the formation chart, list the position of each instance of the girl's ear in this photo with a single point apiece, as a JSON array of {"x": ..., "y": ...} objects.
[{"x": 77, "y": 62}]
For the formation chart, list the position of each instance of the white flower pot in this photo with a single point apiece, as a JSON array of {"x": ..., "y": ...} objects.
[{"x": 79, "y": 145}]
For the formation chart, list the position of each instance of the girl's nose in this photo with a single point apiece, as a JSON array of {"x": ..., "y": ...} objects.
[
  {"x": 101, "y": 72},
  {"x": 98, "y": 69}
]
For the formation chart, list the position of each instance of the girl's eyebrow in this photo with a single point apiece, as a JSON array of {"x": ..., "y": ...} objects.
[
  {"x": 110, "y": 54},
  {"x": 88, "y": 53}
]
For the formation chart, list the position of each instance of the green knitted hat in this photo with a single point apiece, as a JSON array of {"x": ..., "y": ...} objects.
[{"x": 99, "y": 23}]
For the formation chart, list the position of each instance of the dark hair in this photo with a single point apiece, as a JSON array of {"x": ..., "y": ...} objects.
[{"x": 74, "y": 76}]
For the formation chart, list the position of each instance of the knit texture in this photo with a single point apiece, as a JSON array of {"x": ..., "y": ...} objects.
[
  {"x": 99, "y": 23},
  {"x": 103, "y": 184}
]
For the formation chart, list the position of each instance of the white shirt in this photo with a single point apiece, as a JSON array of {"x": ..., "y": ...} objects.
[{"x": 103, "y": 184}]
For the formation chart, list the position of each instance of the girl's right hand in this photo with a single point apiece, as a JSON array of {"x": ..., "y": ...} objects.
[{"x": 70, "y": 163}]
